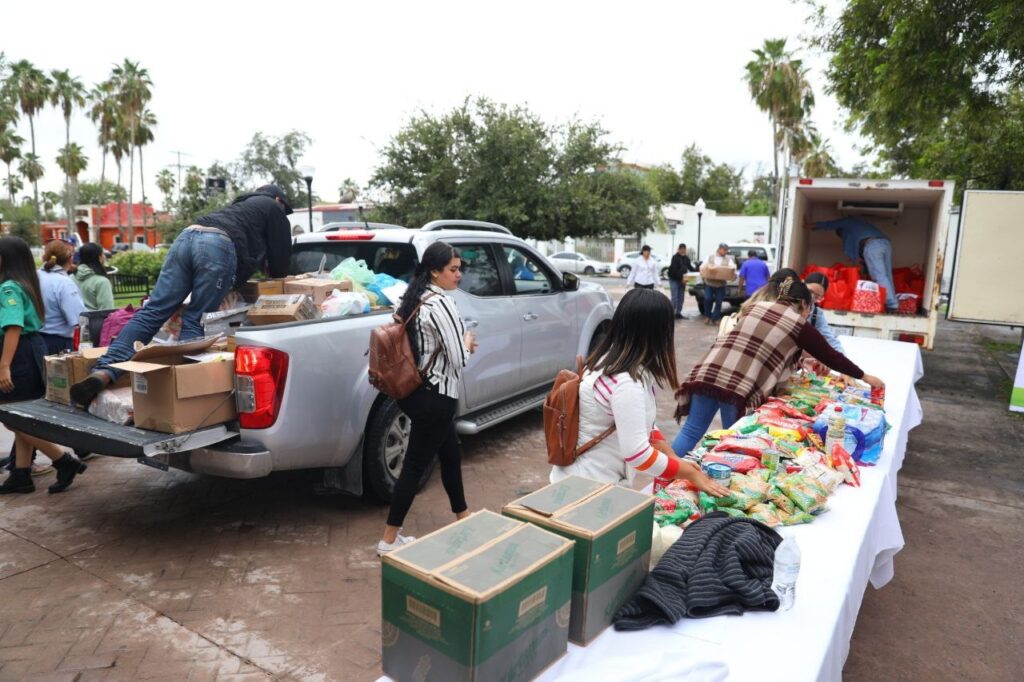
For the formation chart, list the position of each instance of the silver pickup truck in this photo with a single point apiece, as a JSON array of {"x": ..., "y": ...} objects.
[{"x": 303, "y": 398}]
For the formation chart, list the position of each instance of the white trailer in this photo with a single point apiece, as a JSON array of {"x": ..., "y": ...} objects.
[{"x": 914, "y": 214}]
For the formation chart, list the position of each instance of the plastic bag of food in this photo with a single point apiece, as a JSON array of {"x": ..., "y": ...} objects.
[
  {"x": 750, "y": 486},
  {"x": 790, "y": 410},
  {"x": 766, "y": 514},
  {"x": 797, "y": 518},
  {"x": 737, "y": 462},
  {"x": 805, "y": 494},
  {"x": 114, "y": 405},
  {"x": 829, "y": 479},
  {"x": 762, "y": 474},
  {"x": 785, "y": 434},
  {"x": 720, "y": 434},
  {"x": 737, "y": 513},
  {"x": 379, "y": 283},
  {"x": 744, "y": 445},
  {"x": 843, "y": 463},
  {"x": 746, "y": 424},
  {"x": 354, "y": 271},
  {"x": 341, "y": 303},
  {"x": 779, "y": 499}
]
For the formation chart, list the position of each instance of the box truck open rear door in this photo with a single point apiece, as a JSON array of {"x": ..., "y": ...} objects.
[{"x": 986, "y": 269}]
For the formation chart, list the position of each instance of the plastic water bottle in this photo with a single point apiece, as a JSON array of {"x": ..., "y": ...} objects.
[
  {"x": 787, "y": 568},
  {"x": 836, "y": 433}
]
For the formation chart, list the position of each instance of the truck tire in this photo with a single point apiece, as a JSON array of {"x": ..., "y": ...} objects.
[
  {"x": 387, "y": 437},
  {"x": 625, "y": 270},
  {"x": 589, "y": 270}
]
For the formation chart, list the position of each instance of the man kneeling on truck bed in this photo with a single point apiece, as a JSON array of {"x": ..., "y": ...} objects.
[
  {"x": 863, "y": 241},
  {"x": 208, "y": 259}
]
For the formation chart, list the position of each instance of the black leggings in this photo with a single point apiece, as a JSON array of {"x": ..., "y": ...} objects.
[{"x": 433, "y": 433}]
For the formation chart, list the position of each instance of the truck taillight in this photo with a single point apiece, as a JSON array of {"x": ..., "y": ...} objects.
[
  {"x": 936, "y": 183},
  {"x": 259, "y": 385},
  {"x": 806, "y": 181},
  {"x": 910, "y": 338}
]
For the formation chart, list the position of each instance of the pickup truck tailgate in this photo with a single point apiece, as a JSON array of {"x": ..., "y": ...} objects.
[{"x": 83, "y": 432}]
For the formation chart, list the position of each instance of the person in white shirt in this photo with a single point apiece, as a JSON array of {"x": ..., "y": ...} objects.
[
  {"x": 644, "y": 273},
  {"x": 617, "y": 388}
]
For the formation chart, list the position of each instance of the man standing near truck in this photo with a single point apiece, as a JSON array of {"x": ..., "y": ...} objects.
[
  {"x": 714, "y": 289},
  {"x": 677, "y": 270},
  {"x": 862, "y": 241},
  {"x": 208, "y": 259}
]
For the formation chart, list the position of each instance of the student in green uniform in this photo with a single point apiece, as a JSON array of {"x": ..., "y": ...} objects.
[{"x": 21, "y": 363}]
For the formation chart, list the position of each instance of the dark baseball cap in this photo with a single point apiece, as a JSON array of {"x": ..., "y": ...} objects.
[{"x": 277, "y": 193}]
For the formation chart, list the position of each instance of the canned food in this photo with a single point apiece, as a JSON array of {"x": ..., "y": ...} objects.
[
  {"x": 718, "y": 472},
  {"x": 770, "y": 460}
]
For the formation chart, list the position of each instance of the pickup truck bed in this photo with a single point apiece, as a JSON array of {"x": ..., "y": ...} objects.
[{"x": 85, "y": 433}]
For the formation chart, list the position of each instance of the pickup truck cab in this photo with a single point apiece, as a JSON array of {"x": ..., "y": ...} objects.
[{"x": 303, "y": 398}]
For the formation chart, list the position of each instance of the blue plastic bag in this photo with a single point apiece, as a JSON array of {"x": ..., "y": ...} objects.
[{"x": 380, "y": 282}]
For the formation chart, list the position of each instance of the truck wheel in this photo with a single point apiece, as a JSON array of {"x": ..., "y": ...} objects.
[
  {"x": 597, "y": 338},
  {"x": 589, "y": 271},
  {"x": 624, "y": 270},
  {"x": 700, "y": 303},
  {"x": 387, "y": 438}
]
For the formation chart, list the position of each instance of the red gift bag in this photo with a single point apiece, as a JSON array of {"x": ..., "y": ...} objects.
[{"x": 868, "y": 297}]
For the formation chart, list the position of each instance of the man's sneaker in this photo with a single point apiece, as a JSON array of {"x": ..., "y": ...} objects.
[
  {"x": 385, "y": 547},
  {"x": 41, "y": 468}
]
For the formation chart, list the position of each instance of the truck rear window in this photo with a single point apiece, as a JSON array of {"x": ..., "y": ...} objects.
[{"x": 397, "y": 260}]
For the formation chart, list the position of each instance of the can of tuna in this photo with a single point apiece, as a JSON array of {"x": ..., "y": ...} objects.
[
  {"x": 718, "y": 472},
  {"x": 770, "y": 460}
]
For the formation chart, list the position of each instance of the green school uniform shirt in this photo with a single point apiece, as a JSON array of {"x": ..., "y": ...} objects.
[{"x": 17, "y": 309}]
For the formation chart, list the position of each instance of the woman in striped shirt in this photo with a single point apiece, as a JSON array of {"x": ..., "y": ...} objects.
[
  {"x": 617, "y": 388},
  {"x": 442, "y": 347}
]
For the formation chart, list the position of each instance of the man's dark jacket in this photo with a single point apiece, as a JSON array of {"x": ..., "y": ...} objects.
[
  {"x": 679, "y": 266},
  {"x": 260, "y": 232}
]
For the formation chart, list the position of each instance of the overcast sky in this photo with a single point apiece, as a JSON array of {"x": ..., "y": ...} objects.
[{"x": 657, "y": 75}]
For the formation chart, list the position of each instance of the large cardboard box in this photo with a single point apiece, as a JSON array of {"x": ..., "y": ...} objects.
[
  {"x": 611, "y": 526},
  {"x": 64, "y": 371},
  {"x": 284, "y": 308},
  {"x": 174, "y": 394},
  {"x": 486, "y": 598},
  {"x": 255, "y": 288},
  {"x": 316, "y": 288},
  {"x": 717, "y": 272}
]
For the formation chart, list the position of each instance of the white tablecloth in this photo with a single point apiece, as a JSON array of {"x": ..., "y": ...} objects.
[{"x": 841, "y": 551}]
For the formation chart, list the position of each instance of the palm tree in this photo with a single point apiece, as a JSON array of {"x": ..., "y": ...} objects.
[
  {"x": 68, "y": 93},
  {"x": 14, "y": 185},
  {"x": 103, "y": 113},
  {"x": 31, "y": 88},
  {"x": 819, "y": 163},
  {"x": 165, "y": 183},
  {"x": 779, "y": 87},
  {"x": 143, "y": 136},
  {"x": 72, "y": 160},
  {"x": 33, "y": 170},
  {"x": 10, "y": 149},
  {"x": 118, "y": 146},
  {"x": 132, "y": 84}
]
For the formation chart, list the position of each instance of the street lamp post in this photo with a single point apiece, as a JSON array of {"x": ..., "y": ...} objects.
[
  {"x": 307, "y": 175},
  {"x": 700, "y": 205}
]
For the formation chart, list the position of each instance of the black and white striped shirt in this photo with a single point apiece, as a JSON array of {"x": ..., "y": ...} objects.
[{"x": 438, "y": 322}]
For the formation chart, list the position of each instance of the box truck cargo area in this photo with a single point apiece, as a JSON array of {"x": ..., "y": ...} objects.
[{"x": 913, "y": 214}]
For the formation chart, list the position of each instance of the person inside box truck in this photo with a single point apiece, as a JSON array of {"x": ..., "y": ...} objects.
[
  {"x": 207, "y": 260},
  {"x": 862, "y": 241},
  {"x": 21, "y": 364}
]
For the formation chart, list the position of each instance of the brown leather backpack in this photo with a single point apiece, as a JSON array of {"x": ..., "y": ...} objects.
[
  {"x": 562, "y": 418},
  {"x": 393, "y": 369}
]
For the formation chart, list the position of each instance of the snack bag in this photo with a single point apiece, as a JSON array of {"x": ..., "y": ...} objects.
[
  {"x": 805, "y": 495},
  {"x": 828, "y": 479},
  {"x": 785, "y": 434},
  {"x": 663, "y": 504},
  {"x": 739, "y": 463},
  {"x": 737, "y": 513},
  {"x": 744, "y": 445},
  {"x": 790, "y": 410},
  {"x": 720, "y": 434},
  {"x": 797, "y": 518},
  {"x": 762, "y": 474},
  {"x": 845, "y": 465},
  {"x": 779, "y": 499},
  {"x": 753, "y": 488},
  {"x": 766, "y": 514}
]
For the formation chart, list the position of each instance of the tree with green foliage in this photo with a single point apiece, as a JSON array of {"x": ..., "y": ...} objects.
[
  {"x": 139, "y": 263},
  {"x": 30, "y": 87},
  {"x": 274, "y": 159},
  {"x": 719, "y": 184},
  {"x": 91, "y": 192},
  {"x": 938, "y": 87},
  {"x": 68, "y": 94},
  {"x": 10, "y": 151},
  {"x": 166, "y": 183},
  {"x": 21, "y": 221},
  {"x": 104, "y": 112},
  {"x": 666, "y": 183},
  {"x": 134, "y": 89},
  {"x": 73, "y": 161},
  {"x": 501, "y": 163}
]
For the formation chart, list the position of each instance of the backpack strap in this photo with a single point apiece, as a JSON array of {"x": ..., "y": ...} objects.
[
  {"x": 599, "y": 437},
  {"x": 405, "y": 323}
]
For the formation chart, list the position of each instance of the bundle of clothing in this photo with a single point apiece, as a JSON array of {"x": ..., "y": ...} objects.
[{"x": 720, "y": 566}]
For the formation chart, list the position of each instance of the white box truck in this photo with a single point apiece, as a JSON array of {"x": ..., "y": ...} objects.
[{"x": 914, "y": 214}]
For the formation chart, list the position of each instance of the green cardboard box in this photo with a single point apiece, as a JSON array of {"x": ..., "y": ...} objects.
[
  {"x": 611, "y": 526},
  {"x": 486, "y": 598}
]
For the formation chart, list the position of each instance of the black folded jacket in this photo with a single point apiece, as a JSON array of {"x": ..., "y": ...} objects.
[{"x": 720, "y": 566}]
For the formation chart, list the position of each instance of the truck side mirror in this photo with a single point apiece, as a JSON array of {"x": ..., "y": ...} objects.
[{"x": 570, "y": 281}]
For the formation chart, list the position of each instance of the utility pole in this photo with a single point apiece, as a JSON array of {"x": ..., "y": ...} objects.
[{"x": 179, "y": 166}]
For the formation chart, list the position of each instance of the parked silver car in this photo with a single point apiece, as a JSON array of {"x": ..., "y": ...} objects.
[
  {"x": 314, "y": 407},
  {"x": 567, "y": 261}
]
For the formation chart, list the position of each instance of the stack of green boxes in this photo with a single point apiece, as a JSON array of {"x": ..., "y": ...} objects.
[
  {"x": 611, "y": 527},
  {"x": 486, "y": 598}
]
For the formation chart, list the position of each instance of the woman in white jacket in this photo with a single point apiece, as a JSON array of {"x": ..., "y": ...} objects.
[{"x": 617, "y": 388}]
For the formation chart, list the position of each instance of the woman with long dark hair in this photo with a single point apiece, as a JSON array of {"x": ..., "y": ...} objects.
[
  {"x": 61, "y": 298},
  {"x": 617, "y": 389},
  {"x": 442, "y": 347},
  {"x": 744, "y": 367},
  {"x": 91, "y": 278},
  {"x": 21, "y": 363},
  {"x": 817, "y": 284}
]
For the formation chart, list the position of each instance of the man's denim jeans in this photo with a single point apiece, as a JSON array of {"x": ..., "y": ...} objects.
[
  {"x": 878, "y": 258},
  {"x": 702, "y": 412},
  {"x": 678, "y": 291},
  {"x": 200, "y": 263},
  {"x": 715, "y": 295}
]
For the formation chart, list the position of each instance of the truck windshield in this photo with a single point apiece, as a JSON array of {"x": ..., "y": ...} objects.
[{"x": 397, "y": 260}]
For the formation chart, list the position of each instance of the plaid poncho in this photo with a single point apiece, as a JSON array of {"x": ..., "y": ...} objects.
[{"x": 744, "y": 366}]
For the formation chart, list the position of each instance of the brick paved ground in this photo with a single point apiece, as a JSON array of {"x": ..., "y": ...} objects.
[{"x": 139, "y": 574}]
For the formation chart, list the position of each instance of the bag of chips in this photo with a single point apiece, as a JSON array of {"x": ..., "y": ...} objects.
[
  {"x": 766, "y": 514},
  {"x": 744, "y": 445},
  {"x": 806, "y": 494},
  {"x": 779, "y": 499},
  {"x": 737, "y": 513},
  {"x": 753, "y": 488},
  {"x": 797, "y": 518},
  {"x": 738, "y": 463},
  {"x": 843, "y": 463}
]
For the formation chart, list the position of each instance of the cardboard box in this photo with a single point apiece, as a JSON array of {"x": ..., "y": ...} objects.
[
  {"x": 224, "y": 322},
  {"x": 284, "y": 308},
  {"x": 316, "y": 288},
  {"x": 255, "y": 288},
  {"x": 64, "y": 371},
  {"x": 173, "y": 394},
  {"x": 717, "y": 272},
  {"x": 611, "y": 527},
  {"x": 486, "y": 598}
]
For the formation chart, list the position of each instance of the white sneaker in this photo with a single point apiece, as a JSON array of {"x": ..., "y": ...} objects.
[
  {"x": 385, "y": 547},
  {"x": 41, "y": 468}
]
